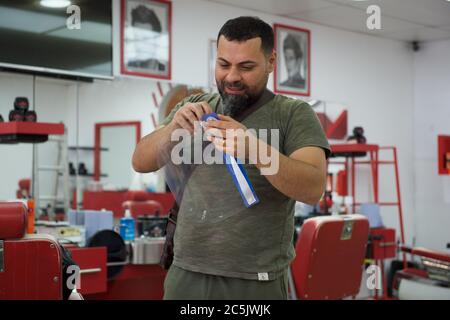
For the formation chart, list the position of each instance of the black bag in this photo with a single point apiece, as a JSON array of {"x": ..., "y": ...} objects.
[
  {"x": 67, "y": 261},
  {"x": 167, "y": 253}
]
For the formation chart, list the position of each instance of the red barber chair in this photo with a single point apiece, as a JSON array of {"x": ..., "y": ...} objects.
[
  {"x": 429, "y": 280},
  {"x": 24, "y": 189},
  {"x": 30, "y": 265},
  {"x": 329, "y": 258},
  {"x": 138, "y": 204}
]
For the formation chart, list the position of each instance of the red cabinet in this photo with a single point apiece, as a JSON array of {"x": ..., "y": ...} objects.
[
  {"x": 383, "y": 243},
  {"x": 93, "y": 272}
]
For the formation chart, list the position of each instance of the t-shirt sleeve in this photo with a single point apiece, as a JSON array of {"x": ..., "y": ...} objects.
[
  {"x": 304, "y": 130},
  {"x": 177, "y": 107},
  {"x": 191, "y": 98}
]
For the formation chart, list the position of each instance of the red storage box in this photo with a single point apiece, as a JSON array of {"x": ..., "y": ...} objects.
[
  {"x": 383, "y": 243},
  {"x": 93, "y": 270}
]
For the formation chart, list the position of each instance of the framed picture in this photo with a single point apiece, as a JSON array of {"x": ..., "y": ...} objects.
[
  {"x": 212, "y": 53},
  {"x": 146, "y": 38},
  {"x": 292, "y": 68}
]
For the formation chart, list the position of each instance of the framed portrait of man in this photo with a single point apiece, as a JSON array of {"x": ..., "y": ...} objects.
[
  {"x": 146, "y": 38},
  {"x": 292, "y": 68}
]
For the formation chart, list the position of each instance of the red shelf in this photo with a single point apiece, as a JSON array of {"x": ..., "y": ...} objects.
[
  {"x": 28, "y": 132},
  {"x": 443, "y": 148},
  {"x": 32, "y": 128},
  {"x": 352, "y": 149}
]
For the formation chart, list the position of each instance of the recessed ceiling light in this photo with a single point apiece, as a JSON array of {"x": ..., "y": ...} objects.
[{"x": 55, "y": 3}]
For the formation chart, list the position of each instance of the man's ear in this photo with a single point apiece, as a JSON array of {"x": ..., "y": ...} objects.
[{"x": 271, "y": 61}]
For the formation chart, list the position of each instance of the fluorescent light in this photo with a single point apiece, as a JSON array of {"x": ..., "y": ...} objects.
[{"x": 55, "y": 3}]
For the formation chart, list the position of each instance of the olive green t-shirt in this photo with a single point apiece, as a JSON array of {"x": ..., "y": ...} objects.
[{"x": 216, "y": 233}]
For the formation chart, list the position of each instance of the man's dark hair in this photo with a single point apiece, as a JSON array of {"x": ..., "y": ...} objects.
[
  {"x": 290, "y": 42},
  {"x": 246, "y": 28},
  {"x": 142, "y": 14}
]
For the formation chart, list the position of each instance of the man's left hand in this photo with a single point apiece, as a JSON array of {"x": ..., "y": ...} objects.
[{"x": 230, "y": 136}]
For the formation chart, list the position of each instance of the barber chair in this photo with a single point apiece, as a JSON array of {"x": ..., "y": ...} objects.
[
  {"x": 137, "y": 203},
  {"x": 329, "y": 260},
  {"x": 30, "y": 265},
  {"x": 430, "y": 280},
  {"x": 24, "y": 189}
]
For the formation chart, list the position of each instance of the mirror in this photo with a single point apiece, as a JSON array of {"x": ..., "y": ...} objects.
[
  {"x": 15, "y": 159},
  {"x": 40, "y": 167},
  {"x": 114, "y": 147}
]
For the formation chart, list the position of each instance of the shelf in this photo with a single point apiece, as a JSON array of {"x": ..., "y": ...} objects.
[
  {"x": 89, "y": 175},
  {"x": 352, "y": 149},
  {"x": 84, "y": 148},
  {"x": 28, "y": 132}
]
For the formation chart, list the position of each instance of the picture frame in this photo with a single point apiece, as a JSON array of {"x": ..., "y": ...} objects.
[
  {"x": 292, "y": 73},
  {"x": 146, "y": 38},
  {"x": 212, "y": 55}
]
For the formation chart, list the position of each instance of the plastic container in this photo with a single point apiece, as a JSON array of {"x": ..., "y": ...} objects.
[
  {"x": 31, "y": 216},
  {"x": 127, "y": 226}
]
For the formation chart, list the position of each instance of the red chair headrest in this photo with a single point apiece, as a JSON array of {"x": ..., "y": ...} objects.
[
  {"x": 149, "y": 207},
  {"x": 330, "y": 255},
  {"x": 13, "y": 220},
  {"x": 25, "y": 184},
  {"x": 138, "y": 195}
]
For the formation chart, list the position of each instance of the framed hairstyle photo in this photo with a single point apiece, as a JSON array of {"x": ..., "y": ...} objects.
[
  {"x": 293, "y": 66},
  {"x": 145, "y": 46}
]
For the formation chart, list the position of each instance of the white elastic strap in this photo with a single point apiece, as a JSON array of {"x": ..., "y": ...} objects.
[{"x": 242, "y": 182}]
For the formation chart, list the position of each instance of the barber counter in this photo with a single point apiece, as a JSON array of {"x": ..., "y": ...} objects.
[
  {"x": 129, "y": 281},
  {"x": 32, "y": 267},
  {"x": 104, "y": 276}
]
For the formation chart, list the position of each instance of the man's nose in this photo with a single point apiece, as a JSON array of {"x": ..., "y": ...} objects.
[{"x": 233, "y": 76}]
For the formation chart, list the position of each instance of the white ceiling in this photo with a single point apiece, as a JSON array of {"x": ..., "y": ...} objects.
[{"x": 405, "y": 20}]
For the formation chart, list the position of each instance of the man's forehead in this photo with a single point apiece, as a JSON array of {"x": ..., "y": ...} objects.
[{"x": 239, "y": 50}]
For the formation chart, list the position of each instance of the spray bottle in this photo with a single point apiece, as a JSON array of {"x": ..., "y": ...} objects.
[{"x": 127, "y": 226}]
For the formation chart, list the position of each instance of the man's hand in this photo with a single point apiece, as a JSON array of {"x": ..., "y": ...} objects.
[
  {"x": 188, "y": 114},
  {"x": 231, "y": 137}
]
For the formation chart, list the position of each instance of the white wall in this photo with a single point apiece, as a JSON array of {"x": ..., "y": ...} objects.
[
  {"x": 373, "y": 77},
  {"x": 431, "y": 118}
]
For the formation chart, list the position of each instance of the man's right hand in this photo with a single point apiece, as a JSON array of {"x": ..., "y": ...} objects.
[{"x": 188, "y": 114}]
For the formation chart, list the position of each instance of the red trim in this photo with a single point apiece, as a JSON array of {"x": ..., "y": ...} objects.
[
  {"x": 37, "y": 128},
  {"x": 443, "y": 148},
  {"x": 97, "y": 143},
  {"x": 123, "y": 69},
  {"x": 161, "y": 93},
  {"x": 155, "y": 124},
  {"x": 155, "y": 101},
  {"x": 307, "y": 93},
  {"x": 338, "y": 128}
]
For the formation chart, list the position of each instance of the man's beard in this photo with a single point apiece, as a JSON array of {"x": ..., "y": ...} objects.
[{"x": 234, "y": 104}]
